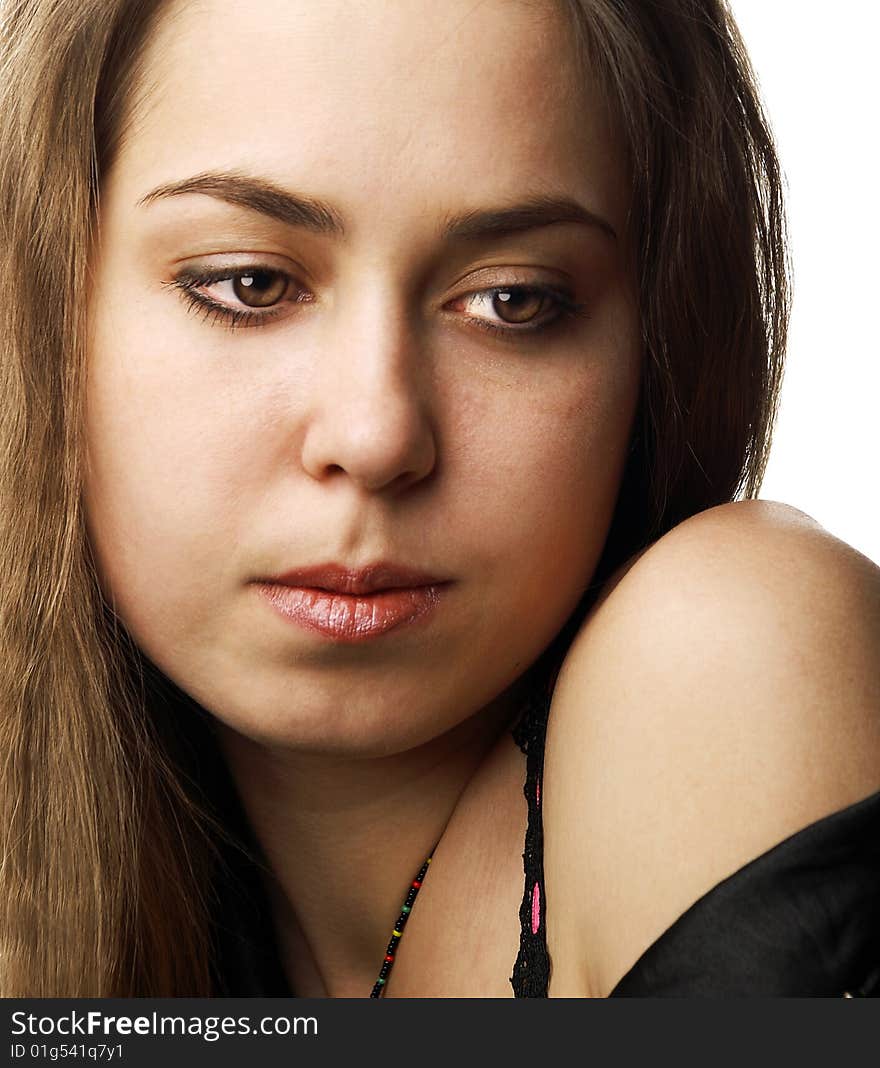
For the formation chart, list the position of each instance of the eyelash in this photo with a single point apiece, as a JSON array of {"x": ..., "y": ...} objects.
[{"x": 566, "y": 307}]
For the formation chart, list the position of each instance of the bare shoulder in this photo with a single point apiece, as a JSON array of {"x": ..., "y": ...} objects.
[{"x": 724, "y": 694}]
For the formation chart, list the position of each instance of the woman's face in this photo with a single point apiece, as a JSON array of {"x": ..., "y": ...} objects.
[{"x": 434, "y": 359}]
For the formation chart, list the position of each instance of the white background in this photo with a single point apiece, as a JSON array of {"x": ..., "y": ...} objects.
[{"x": 817, "y": 65}]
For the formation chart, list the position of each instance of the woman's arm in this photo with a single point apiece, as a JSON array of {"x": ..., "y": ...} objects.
[{"x": 723, "y": 696}]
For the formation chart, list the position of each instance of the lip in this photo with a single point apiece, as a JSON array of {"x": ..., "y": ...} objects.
[
  {"x": 339, "y": 579},
  {"x": 353, "y": 605}
]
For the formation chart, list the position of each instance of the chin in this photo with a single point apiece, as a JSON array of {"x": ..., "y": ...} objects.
[{"x": 340, "y": 730}]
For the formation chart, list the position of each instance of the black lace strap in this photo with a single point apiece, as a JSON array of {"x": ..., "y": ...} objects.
[{"x": 531, "y": 972}]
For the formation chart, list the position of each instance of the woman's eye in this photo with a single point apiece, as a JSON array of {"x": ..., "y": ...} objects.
[
  {"x": 245, "y": 296},
  {"x": 518, "y": 309}
]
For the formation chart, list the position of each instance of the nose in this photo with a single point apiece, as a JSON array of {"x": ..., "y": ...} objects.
[{"x": 370, "y": 415}]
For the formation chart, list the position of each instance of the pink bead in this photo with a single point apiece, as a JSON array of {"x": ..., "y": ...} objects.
[
  {"x": 536, "y": 908},
  {"x": 538, "y": 792}
]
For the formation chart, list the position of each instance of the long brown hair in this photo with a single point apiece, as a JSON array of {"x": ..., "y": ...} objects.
[
  {"x": 708, "y": 224},
  {"x": 107, "y": 845}
]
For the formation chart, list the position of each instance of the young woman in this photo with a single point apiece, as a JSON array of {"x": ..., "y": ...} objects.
[{"x": 384, "y": 393}]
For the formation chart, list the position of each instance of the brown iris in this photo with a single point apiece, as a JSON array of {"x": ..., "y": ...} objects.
[
  {"x": 259, "y": 289},
  {"x": 517, "y": 305}
]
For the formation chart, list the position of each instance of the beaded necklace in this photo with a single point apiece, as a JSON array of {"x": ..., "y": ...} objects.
[{"x": 397, "y": 933}]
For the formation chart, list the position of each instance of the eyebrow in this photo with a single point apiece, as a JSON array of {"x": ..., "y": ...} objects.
[{"x": 319, "y": 217}]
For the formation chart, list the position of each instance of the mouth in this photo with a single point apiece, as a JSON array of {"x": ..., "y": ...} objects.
[{"x": 353, "y": 605}]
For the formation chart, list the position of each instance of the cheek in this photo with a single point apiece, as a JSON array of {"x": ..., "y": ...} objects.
[
  {"x": 532, "y": 492},
  {"x": 159, "y": 487},
  {"x": 548, "y": 468}
]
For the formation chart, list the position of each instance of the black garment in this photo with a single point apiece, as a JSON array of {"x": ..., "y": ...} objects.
[{"x": 803, "y": 919}]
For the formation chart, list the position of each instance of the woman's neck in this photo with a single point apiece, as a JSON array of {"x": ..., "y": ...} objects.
[{"x": 344, "y": 837}]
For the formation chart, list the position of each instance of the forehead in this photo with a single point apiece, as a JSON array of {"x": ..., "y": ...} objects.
[{"x": 365, "y": 102}]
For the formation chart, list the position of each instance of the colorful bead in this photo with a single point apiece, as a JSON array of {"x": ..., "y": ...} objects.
[{"x": 397, "y": 933}]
